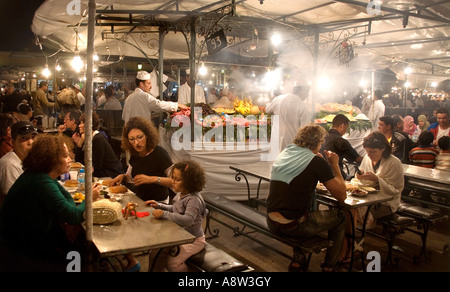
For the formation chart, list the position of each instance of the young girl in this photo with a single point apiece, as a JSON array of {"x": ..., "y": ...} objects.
[{"x": 188, "y": 210}]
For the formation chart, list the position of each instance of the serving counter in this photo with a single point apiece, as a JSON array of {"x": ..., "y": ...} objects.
[{"x": 215, "y": 159}]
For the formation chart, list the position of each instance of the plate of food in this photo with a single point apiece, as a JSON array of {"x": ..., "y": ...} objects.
[
  {"x": 71, "y": 185},
  {"x": 358, "y": 192},
  {"x": 362, "y": 182},
  {"x": 78, "y": 197},
  {"x": 119, "y": 189},
  {"x": 74, "y": 164},
  {"x": 369, "y": 190}
]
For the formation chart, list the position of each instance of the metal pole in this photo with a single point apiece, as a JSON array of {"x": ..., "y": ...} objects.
[
  {"x": 162, "y": 34},
  {"x": 88, "y": 120},
  {"x": 315, "y": 70},
  {"x": 192, "y": 53}
]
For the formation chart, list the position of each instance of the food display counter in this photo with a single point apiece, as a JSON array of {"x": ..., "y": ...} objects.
[{"x": 250, "y": 135}]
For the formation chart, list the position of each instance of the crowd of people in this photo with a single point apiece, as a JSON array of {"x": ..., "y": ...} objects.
[{"x": 31, "y": 162}]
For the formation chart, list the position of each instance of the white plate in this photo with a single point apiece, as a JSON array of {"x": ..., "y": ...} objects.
[{"x": 117, "y": 197}]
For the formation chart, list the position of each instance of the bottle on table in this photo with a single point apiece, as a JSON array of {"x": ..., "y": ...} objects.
[{"x": 81, "y": 180}]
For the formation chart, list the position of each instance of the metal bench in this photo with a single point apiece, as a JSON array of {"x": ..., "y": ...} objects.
[
  {"x": 256, "y": 220},
  {"x": 425, "y": 218}
]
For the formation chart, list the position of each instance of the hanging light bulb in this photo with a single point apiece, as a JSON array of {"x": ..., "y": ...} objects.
[
  {"x": 203, "y": 70},
  {"x": 46, "y": 71},
  {"x": 58, "y": 68},
  {"x": 77, "y": 63}
]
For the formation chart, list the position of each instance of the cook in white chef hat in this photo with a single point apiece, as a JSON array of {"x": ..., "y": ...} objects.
[{"x": 143, "y": 75}]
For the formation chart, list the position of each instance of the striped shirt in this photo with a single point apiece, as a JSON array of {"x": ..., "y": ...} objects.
[
  {"x": 424, "y": 157},
  {"x": 443, "y": 160}
]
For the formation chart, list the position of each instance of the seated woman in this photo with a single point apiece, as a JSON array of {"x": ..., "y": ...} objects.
[
  {"x": 383, "y": 170},
  {"x": 294, "y": 177},
  {"x": 149, "y": 163},
  {"x": 104, "y": 160},
  {"x": 149, "y": 166},
  {"x": 36, "y": 213}
]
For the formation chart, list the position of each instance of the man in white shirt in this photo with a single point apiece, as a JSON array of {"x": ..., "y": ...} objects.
[
  {"x": 376, "y": 110},
  {"x": 23, "y": 134},
  {"x": 212, "y": 96},
  {"x": 80, "y": 96},
  {"x": 293, "y": 114},
  {"x": 442, "y": 127},
  {"x": 141, "y": 103},
  {"x": 184, "y": 92}
]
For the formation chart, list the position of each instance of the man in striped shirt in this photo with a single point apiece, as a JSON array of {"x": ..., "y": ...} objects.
[{"x": 425, "y": 154}]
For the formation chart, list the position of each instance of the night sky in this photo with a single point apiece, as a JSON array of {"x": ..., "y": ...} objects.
[{"x": 15, "y": 21}]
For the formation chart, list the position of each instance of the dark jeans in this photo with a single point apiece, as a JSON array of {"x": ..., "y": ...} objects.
[{"x": 317, "y": 222}]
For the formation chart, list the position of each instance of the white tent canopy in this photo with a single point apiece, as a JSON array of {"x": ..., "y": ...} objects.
[{"x": 394, "y": 34}]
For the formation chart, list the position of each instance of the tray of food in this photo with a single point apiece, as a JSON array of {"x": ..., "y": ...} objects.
[{"x": 358, "y": 192}]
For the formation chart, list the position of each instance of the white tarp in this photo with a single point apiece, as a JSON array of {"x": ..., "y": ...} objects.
[{"x": 389, "y": 44}]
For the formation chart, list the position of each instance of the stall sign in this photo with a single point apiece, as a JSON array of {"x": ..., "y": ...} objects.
[{"x": 216, "y": 42}]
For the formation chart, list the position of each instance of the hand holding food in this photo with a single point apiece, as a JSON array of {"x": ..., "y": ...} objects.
[
  {"x": 157, "y": 213},
  {"x": 368, "y": 176},
  {"x": 332, "y": 157},
  {"x": 96, "y": 188}
]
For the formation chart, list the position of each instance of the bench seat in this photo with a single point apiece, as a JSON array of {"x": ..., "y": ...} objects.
[
  {"x": 256, "y": 220},
  {"x": 425, "y": 218}
]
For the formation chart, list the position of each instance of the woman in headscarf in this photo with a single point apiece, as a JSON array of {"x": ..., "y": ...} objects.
[
  {"x": 423, "y": 123},
  {"x": 410, "y": 128}
]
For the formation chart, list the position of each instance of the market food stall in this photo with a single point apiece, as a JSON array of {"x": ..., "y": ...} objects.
[
  {"x": 360, "y": 125},
  {"x": 240, "y": 134}
]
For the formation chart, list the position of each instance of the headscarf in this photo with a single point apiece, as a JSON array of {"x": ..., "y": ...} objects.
[
  {"x": 409, "y": 127},
  {"x": 426, "y": 124}
]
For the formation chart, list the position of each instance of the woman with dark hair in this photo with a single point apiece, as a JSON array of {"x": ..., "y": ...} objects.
[
  {"x": 104, "y": 160},
  {"x": 148, "y": 169},
  {"x": 37, "y": 212},
  {"x": 149, "y": 163},
  {"x": 379, "y": 168}
]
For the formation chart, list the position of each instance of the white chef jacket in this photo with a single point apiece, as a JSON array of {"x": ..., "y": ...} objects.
[
  {"x": 376, "y": 111},
  {"x": 293, "y": 114},
  {"x": 184, "y": 94},
  {"x": 141, "y": 104},
  {"x": 81, "y": 98}
]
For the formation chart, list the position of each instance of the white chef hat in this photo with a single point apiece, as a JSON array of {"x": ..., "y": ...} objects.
[{"x": 143, "y": 75}]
